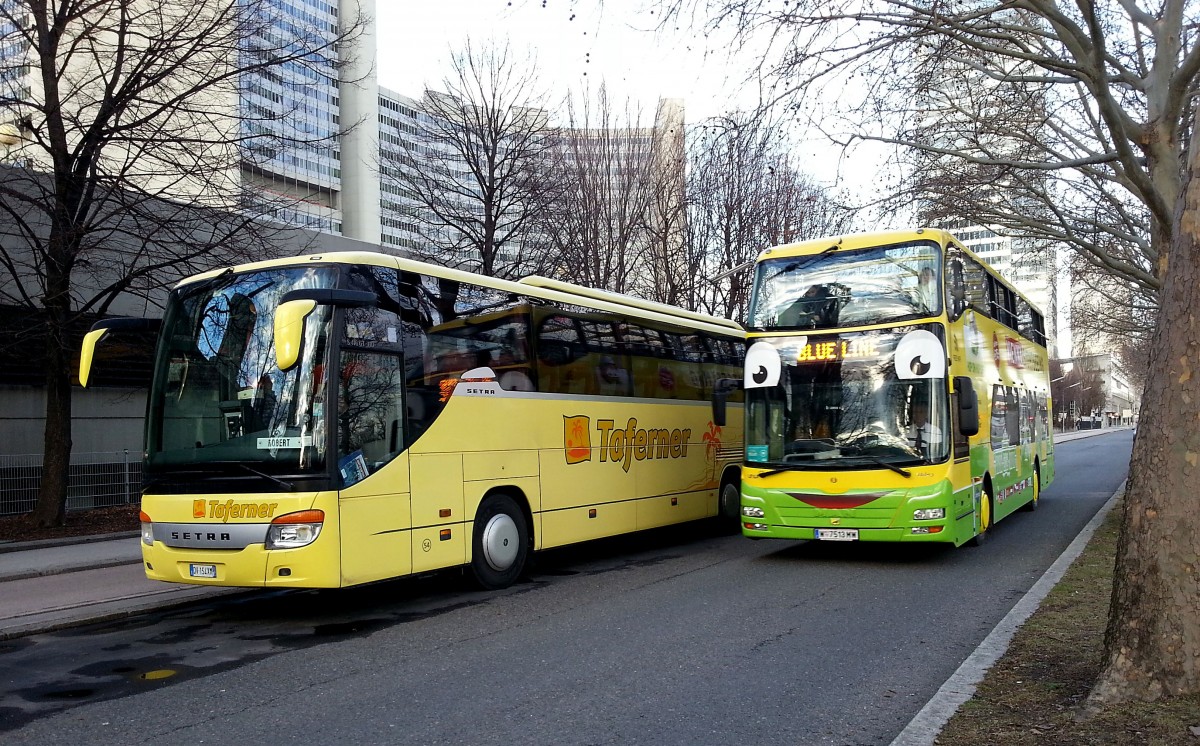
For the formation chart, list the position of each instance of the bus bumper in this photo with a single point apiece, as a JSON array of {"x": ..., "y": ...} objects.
[
  {"x": 808, "y": 533},
  {"x": 251, "y": 567},
  {"x": 887, "y": 517}
]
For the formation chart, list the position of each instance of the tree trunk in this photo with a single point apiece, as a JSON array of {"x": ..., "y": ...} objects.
[
  {"x": 1152, "y": 645},
  {"x": 51, "y": 506}
]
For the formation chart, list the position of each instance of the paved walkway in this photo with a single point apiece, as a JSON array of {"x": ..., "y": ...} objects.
[{"x": 47, "y": 585}]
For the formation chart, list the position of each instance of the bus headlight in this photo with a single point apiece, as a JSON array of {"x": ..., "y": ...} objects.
[
  {"x": 147, "y": 528},
  {"x": 929, "y": 514},
  {"x": 295, "y": 529},
  {"x": 752, "y": 512}
]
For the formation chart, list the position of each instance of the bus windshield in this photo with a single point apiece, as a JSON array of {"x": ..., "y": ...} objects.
[
  {"x": 866, "y": 400},
  {"x": 218, "y": 395},
  {"x": 848, "y": 288}
]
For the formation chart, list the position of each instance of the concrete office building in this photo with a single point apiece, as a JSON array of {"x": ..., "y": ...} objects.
[{"x": 1018, "y": 261}]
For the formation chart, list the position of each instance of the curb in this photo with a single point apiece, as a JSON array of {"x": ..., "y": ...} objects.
[
  {"x": 112, "y": 610},
  {"x": 924, "y": 728},
  {"x": 64, "y": 569},
  {"x": 21, "y": 546}
]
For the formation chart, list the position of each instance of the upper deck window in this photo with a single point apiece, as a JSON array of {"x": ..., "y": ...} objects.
[{"x": 848, "y": 288}]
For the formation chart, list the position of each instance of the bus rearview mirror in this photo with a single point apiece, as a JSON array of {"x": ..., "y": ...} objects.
[
  {"x": 289, "y": 331},
  {"x": 295, "y": 306},
  {"x": 99, "y": 330},
  {"x": 720, "y": 394}
]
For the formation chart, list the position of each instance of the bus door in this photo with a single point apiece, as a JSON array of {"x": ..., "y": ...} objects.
[{"x": 375, "y": 513}]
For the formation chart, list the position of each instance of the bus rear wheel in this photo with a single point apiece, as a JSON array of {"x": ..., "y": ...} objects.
[
  {"x": 500, "y": 544},
  {"x": 1032, "y": 505},
  {"x": 985, "y": 517}
]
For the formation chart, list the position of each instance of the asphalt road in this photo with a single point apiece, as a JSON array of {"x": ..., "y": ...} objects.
[{"x": 676, "y": 636}]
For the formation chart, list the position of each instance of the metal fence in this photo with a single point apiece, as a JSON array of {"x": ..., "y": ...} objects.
[{"x": 95, "y": 480}]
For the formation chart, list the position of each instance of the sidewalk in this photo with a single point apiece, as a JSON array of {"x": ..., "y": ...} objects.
[{"x": 53, "y": 584}]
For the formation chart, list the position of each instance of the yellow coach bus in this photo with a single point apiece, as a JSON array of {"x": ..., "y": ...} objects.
[
  {"x": 333, "y": 420},
  {"x": 896, "y": 389}
]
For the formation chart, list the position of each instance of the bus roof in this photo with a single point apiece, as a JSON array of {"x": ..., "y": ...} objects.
[
  {"x": 561, "y": 292},
  {"x": 852, "y": 241},
  {"x": 640, "y": 303}
]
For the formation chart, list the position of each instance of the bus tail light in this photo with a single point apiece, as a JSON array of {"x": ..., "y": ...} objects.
[
  {"x": 147, "y": 528},
  {"x": 295, "y": 529}
]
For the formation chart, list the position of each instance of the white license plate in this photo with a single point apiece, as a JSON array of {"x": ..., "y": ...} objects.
[
  {"x": 203, "y": 571},
  {"x": 836, "y": 534}
]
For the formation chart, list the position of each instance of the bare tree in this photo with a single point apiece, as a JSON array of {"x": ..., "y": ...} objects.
[
  {"x": 666, "y": 269},
  {"x": 597, "y": 223},
  {"x": 122, "y": 121},
  {"x": 1120, "y": 82},
  {"x": 1106, "y": 88},
  {"x": 474, "y": 168},
  {"x": 745, "y": 195},
  {"x": 971, "y": 143}
]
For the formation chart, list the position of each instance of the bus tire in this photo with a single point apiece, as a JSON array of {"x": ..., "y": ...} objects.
[
  {"x": 1032, "y": 505},
  {"x": 985, "y": 517},
  {"x": 731, "y": 503},
  {"x": 500, "y": 543}
]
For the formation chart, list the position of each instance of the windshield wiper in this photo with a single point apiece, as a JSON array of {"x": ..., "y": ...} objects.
[{"x": 886, "y": 464}]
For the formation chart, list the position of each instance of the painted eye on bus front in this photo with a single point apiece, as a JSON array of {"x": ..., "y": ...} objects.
[
  {"x": 920, "y": 355},
  {"x": 763, "y": 366}
]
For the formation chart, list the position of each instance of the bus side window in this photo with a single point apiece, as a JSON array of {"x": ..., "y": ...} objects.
[
  {"x": 371, "y": 410},
  {"x": 1013, "y": 412},
  {"x": 956, "y": 290},
  {"x": 999, "y": 419},
  {"x": 558, "y": 351}
]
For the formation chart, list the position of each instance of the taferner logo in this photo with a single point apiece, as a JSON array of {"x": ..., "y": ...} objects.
[
  {"x": 624, "y": 445},
  {"x": 229, "y": 509}
]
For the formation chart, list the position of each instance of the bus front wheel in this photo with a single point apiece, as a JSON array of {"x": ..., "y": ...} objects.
[
  {"x": 985, "y": 517},
  {"x": 731, "y": 503},
  {"x": 500, "y": 545}
]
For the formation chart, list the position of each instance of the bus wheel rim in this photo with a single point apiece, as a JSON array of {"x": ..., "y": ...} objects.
[
  {"x": 985, "y": 512},
  {"x": 501, "y": 540}
]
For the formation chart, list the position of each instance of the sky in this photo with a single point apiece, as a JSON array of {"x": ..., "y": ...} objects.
[
  {"x": 585, "y": 42},
  {"x": 576, "y": 43}
]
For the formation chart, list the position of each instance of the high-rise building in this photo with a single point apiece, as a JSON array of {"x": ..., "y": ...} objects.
[
  {"x": 308, "y": 129},
  {"x": 1026, "y": 266},
  {"x": 320, "y": 142}
]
